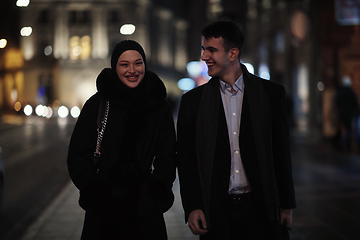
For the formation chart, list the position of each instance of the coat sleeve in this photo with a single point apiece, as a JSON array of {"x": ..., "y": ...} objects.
[
  {"x": 164, "y": 164},
  {"x": 94, "y": 189},
  {"x": 281, "y": 150},
  {"x": 83, "y": 143},
  {"x": 186, "y": 155}
]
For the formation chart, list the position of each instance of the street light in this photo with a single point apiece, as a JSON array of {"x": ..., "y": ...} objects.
[
  {"x": 127, "y": 29},
  {"x": 3, "y": 43},
  {"x": 26, "y": 31},
  {"x": 22, "y": 3}
]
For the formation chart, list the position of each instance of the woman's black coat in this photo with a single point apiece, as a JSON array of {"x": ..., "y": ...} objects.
[{"x": 126, "y": 199}]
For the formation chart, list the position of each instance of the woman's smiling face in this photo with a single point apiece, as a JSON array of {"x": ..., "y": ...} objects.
[{"x": 130, "y": 68}]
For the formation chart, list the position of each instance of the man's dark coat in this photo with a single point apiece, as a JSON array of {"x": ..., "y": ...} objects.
[{"x": 204, "y": 151}]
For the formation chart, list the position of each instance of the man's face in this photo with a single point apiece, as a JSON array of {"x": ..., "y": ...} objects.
[{"x": 215, "y": 56}]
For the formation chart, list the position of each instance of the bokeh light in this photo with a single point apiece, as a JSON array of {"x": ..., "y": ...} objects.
[
  {"x": 186, "y": 84},
  {"x": 3, "y": 43},
  {"x": 28, "y": 110},
  {"x": 39, "y": 110},
  {"x": 47, "y": 50},
  {"x": 75, "y": 112},
  {"x": 22, "y": 3},
  {"x": 17, "y": 106},
  {"x": 63, "y": 112},
  {"x": 127, "y": 29},
  {"x": 26, "y": 31}
]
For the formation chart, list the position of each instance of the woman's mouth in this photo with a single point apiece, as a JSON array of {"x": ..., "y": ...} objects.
[{"x": 132, "y": 78}]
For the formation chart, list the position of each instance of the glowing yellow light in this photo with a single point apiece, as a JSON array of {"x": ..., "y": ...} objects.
[
  {"x": 3, "y": 43},
  {"x": 77, "y": 51},
  {"x": 127, "y": 29},
  {"x": 17, "y": 106}
]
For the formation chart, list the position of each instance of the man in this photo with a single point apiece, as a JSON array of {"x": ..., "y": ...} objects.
[{"x": 233, "y": 147}]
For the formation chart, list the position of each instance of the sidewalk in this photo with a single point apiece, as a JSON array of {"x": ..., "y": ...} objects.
[
  {"x": 63, "y": 219},
  {"x": 327, "y": 185}
]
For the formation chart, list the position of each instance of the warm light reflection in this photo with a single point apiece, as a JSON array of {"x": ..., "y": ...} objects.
[
  {"x": 76, "y": 51},
  {"x": 85, "y": 44},
  {"x": 3, "y": 43},
  {"x": 17, "y": 106},
  {"x": 127, "y": 29},
  {"x": 74, "y": 42}
]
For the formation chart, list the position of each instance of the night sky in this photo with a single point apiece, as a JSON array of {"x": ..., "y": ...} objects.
[{"x": 9, "y": 22}]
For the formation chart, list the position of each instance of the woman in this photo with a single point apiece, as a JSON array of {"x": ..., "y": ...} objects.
[{"x": 126, "y": 193}]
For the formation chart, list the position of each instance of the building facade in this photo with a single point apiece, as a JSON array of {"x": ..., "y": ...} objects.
[{"x": 72, "y": 41}]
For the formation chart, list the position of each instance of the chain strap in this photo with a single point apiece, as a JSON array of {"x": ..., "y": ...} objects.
[{"x": 97, "y": 152}]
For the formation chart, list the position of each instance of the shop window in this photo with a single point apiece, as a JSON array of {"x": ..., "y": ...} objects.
[{"x": 80, "y": 48}]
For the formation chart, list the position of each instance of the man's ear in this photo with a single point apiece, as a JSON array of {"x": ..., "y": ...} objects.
[{"x": 234, "y": 52}]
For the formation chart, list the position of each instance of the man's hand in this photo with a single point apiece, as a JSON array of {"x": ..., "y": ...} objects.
[
  {"x": 196, "y": 218},
  {"x": 286, "y": 215}
]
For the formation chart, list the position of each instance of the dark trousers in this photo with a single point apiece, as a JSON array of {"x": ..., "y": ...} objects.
[{"x": 245, "y": 219}]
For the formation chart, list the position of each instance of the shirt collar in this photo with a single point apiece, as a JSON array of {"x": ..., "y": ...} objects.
[{"x": 238, "y": 85}]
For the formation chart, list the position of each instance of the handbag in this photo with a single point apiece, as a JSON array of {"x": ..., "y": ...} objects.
[
  {"x": 92, "y": 195},
  {"x": 100, "y": 130}
]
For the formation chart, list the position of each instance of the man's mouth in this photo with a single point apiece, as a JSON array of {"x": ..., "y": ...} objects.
[{"x": 210, "y": 64}]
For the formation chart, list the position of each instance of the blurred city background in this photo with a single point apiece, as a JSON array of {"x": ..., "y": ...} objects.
[{"x": 52, "y": 51}]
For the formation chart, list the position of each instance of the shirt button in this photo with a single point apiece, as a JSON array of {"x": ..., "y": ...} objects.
[
  {"x": 236, "y": 152},
  {"x": 237, "y": 171},
  {"x": 234, "y": 133},
  {"x": 234, "y": 114}
]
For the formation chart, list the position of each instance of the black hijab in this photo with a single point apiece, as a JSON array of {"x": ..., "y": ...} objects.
[
  {"x": 149, "y": 91},
  {"x": 125, "y": 46}
]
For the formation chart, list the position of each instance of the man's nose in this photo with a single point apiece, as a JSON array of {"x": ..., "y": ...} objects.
[{"x": 204, "y": 56}]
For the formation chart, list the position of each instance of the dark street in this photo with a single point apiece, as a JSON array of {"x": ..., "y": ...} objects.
[
  {"x": 41, "y": 203},
  {"x": 34, "y": 154}
]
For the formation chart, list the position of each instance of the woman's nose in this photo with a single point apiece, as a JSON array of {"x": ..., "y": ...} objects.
[{"x": 132, "y": 68}]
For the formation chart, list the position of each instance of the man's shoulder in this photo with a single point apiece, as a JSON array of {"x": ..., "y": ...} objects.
[{"x": 195, "y": 93}]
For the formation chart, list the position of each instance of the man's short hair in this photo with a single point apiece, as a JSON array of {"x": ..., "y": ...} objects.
[{"x": 229, "y": 31}]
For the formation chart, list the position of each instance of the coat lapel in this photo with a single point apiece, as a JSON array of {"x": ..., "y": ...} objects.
[{"x": 260, "y": 117}]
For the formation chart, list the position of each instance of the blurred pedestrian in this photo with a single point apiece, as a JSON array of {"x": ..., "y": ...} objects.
[
  {"x": 126, "y": 186},
  {"x": 347, "y": 106},
  {"x": 233, "y": 147}
]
